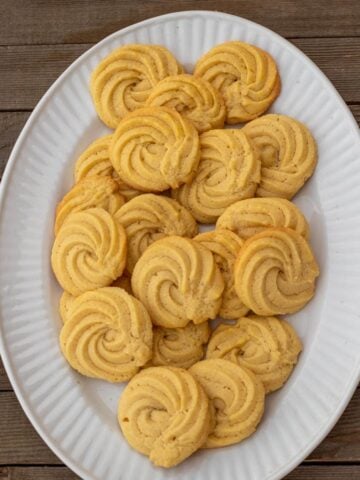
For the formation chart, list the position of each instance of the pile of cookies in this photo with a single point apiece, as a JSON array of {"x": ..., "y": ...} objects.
[{"x": 141, "y": 283}]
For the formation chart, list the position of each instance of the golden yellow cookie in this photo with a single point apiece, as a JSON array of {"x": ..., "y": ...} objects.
[
  {"x": 249, "y": 217},
  {"x": 180, "y": 347},
  {"x": 165, "y": 414},
  {"x": 124, "y": 281},
  {"x": 225, "y": 245},
  {"x": 155, "y": 148},
  {"x": 245, "y": 75},
  {"x": 287, "y": 152},
  {"x": 178, "y": 281},
  {"x": 267, "y": 346},
  {"x": 89, "y": 251},
  {"x": 237, "y": 396},
  {"x": 229, "y": 170},
  {"x": 65, "y": 304},
  {"x": 275, "y": 272},
  {"x": 108, "y": 335},
  {"x": 124, "y": 79},
  {"x": 99, "y": 192},
  {"x": 95, "y": 160},
  {"x": 148, "y": 218},
  {"x": 193, "y": 97}
]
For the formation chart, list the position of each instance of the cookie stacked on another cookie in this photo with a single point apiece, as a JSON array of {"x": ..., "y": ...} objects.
[
  {"x": 178, "y": 281},
  {"x": 123, "y": 81},
  {"x": 229, "y": 170},
  {"x": 287, "y": 152},
  {"x": 141, "y": 284},
  {"x": 193, "y": 97},
  {"x": 275, "y": 272},
  {"x": 95, "y": 161},
  {"x": 150, "y": 217},
  {"x": 267, "y": 346},
  {"x": 154, "y": 149},
  {"x": 245, "y": 75},
  {"x": 225, "y": 246},
  {"x": 165, "y": 414}
]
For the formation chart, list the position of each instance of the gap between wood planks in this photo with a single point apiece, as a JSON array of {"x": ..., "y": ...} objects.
[
  {"x": 76, "y": 21},
  {"x": 52, "y": 472}
]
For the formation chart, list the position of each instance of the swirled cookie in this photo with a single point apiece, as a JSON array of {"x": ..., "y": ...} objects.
[
  {"x": 275, "y": 272},
  {"x": 225, "y": 245},
  {"x": 92, "y": 192},
  {"x": 245, "y": 75},
  {"x": 178, "y": 281},
  {"x": 267, "y": 346},
  {"x": 180, "y": 347},
  {"x": 251, "y": 216},
  {"x": 155, "y": 148},
  {"x": 287, "y": 151},
  {"x": 65, "y": 304},
  {"x": 193, "y": 97},
  {"x": 229, "y": 170},
  {"x": 237, "y": 396},
  {"x": 124, "y": 79},
  {"x": 165, "y": 414},
  {"x": 89, "y": 251},
  {"x": 95, "y": 160},
  {"x": 108, "y": 335},
  {"x": 148, "y": 218}
]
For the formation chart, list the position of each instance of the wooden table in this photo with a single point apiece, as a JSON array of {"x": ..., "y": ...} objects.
[{"x": 39, "y": 39}]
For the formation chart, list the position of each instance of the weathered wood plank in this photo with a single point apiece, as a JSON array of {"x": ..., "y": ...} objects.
[
  {"x": 11, "y": 124},
  {"x": 27, "y": 71},
  {"x": 37, "y": 473},
  {"x": 19, "y": 443},
  {"x": 4, "y": 381},
  {"x": 324, "y": 472},
  {"x": 343, "y": 442},
  {"x": 339, "y": 59},
  {"x": 303, "y": 472},
  {"x": 355, "y": 109},
  {"x": 51, "y": 21}
]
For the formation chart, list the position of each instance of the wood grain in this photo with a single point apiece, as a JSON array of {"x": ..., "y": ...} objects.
[
  {"x": 37, "y": 473},
  {"x": 26, "y": 72},
  {"x": 19, "y": 442},
  {"x": 343, "y": 442},
  {"x": 79, "y": 21},
  {"x": 355, "y": 109},
  {"x": 304, "y": 472},
  {"x": 11, "y": 124},
  {"x": 324, "y": 472},
  {"x": 4, "y": 381}
]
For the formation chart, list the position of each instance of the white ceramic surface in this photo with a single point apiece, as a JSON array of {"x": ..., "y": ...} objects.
[{"x": 75, "y": 415}]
